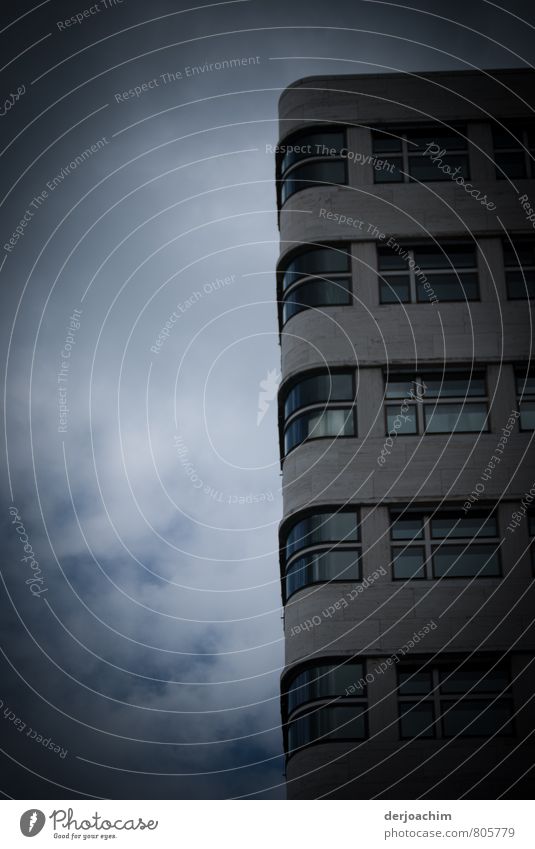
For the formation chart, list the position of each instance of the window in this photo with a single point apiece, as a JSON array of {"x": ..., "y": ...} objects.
[
  {"x": 450, "y": 699},
  {"x": 450, "y": 270},
  {"x": 531, "y": 532},
  {"x": 444, "y": 544},
  {"x": 519, "y": 262},
  {"x": 405, "y": 149},
  {"x": 327, "y": 684},
  {"x": 316, "y": 277},
  {"x": 322, "y": 547},
  {"x": 321, "y": 405},
  {"x": 436, "y": 402},
  {"x": 310, "y": 158},
  {"x": 525, "y": 396},
  {"x": 514, "y": 150}
]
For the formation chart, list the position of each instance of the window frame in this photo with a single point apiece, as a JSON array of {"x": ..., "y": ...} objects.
[
  {"x": 401, "y": 132},
  {"x": 515, "y": 243},
  {"x": 420, "y": 403},
  {"x": 523, "y": 372},
  {"x": 409, "y": 272},
  {"x": 323, "y": 546},
  {"x": 320, "y": 407},
  {"x": 520, "y": 144},
  {"x": 297, "y": 138},
  {"x": 438, "y": 699},
  {"x": 432, "y": 544},
  {"x": 342, "y": 247}
]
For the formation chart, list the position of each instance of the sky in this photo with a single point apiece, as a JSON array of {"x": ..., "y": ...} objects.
[{"x": 141, "y": 640}]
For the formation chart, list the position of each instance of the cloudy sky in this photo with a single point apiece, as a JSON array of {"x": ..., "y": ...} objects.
[{"x": 138, "y": 326}]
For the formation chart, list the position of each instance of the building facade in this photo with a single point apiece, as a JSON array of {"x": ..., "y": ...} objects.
[{"x": 407, "y": 411}]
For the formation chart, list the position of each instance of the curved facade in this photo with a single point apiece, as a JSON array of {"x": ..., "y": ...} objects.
[{"x": 406, "y": 414}]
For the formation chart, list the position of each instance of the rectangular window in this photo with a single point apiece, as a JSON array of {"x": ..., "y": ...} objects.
[
  {"x": 436, "y": 402},
  {"x": 451, "y": 699},
  {"x": 409, "y": 152},
  {"x": 444, "y": 543},
  {"x": 519, "y": 264},
  {"x": 514, "y": 151},
  {"x": 424, "y": 273},
  {"x": 525, "y": 396}
]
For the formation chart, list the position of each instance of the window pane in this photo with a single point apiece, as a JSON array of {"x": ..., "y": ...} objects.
[
  {"x": 395, "y": 289},
  {"x": 316, "y": 425},
  {"x": 422, "y": 168},
  {"x": 320, "y": 261},
  {"x": 325, "y": 680},
  {"x": 458, "y": 561},
  {"x": 401, "y": 386},
  {"x": 475, "y": 678},
  {"x": 518, "y": 253},
  {"x": 455, "y": 418},
  {"x": 389, "y": 260},
  {"x": 527, "y": 415},
  {"x": 311, "y": 173},
  {"x": 505, "y": 138},
  {"x": 316, "y": 293},
  {"x": 484, "y": 722},
  {"x": 418, "y": 138},
  {"x": 407, "y": 526},
  {"x": 328, "y": 723},
  {"x": 402, "y": 422},
  {"x": 408, "y": 562},
  {"x": 449, "y": 287},
  {"x": 385, "y": 143},
  {"x": 311, "y": 144},
  {"x": 415, "y": 682},
  {"x": 525, "y": 381},
  {"x": 445, "y": 256},
  {"x": 454, "y": 384},
  {"x": 520, "y": 284},
  {"x": 417, "y": 719},
  {"x": 320, "y": 528},
  {"x": 510, "y": 165},
  {"x": 458, "y": 525},
  {"x": 391, "y": 174},
  {"x": 323, "y": 566},
  {"x": 320, "y": 388}
]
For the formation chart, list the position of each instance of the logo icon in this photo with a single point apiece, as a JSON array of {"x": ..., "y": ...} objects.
[
  {"x": 267, "y": 393},
  {"x": 31, "y": 822}
]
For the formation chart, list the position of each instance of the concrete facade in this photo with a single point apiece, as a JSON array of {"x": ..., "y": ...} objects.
[{"x": 477, "y": 617}]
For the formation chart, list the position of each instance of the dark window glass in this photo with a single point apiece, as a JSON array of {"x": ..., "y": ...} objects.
[
  {"x": 456, "y": 418},
  {"x": 417, "y": 720},
  {"x": 402, "y": 422},
  {"x": 475, "y": 718},
  {"x": 474, "y": 678},
  {"x": 326, "y": 724},
  {"x": 322, "y": 527},
  {"x": 446, "y": 256},
  {"x": 415, "y": 682},
  {"x": 395, "y": 290},
  {"x": 510, "y": 164},
  {"x": 323, "y": 566},
  {"x": 316, "y": 424},
  {"x": 458, "y": 561},
  {"x": 316, "y": 293},
  {"x": 310, "y": 144},
  {"x": 454, "y": 384},
  {"x": 391, "y": 171},
  {"x": 325, "y": 681},
  {"x": 419, "y": 138},
  {"x": 402, "y": 386},
  {"x": 406, "y": 526},
  {"x": 525, "y": 390},
  {"x": 519, "y": 261},
  {"x": 449, "y": 287},
  {"x": 316, "y": 261},
  {"x": 423, "y": 169},
  {"x": 319, "y": 388},
  {"x": 385, "y": 143},
  {"x": 330, "y": 171},
  {"x": 389, "y": 260},
  {"x": 457, "y": 525},
  {"x": 520, "y": 285},
  {"x": 409, "y": 562}
]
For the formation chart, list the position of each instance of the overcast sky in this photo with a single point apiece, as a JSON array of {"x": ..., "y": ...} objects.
[{"x": 151, "y": 647}]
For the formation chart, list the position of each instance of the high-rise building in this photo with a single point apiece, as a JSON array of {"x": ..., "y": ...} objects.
[{"x": 407, "y": 412}]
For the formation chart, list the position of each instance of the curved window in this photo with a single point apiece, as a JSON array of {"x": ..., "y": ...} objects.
[
  {"x": 320, "y": 548},
  {"x": 326, "y": 681},
  {"x": 330, "y": 683},
  {"x": 321, "y": 405},
  {"x": 311, "y": 158},
  {"x": 322, "y": 527},
  {"x": 316, "y": 277},
  {"x": 323, "y": 567}
]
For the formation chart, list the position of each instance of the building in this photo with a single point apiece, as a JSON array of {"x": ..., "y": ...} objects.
[{"x": 407, "y": 410}]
